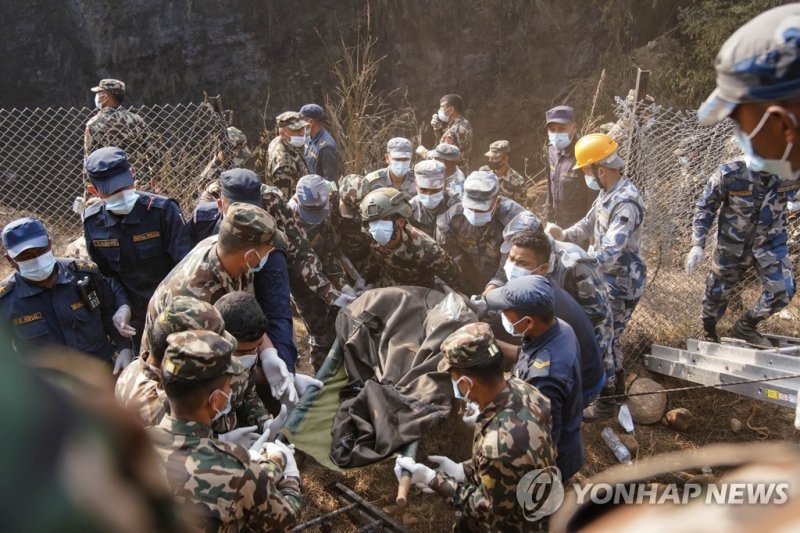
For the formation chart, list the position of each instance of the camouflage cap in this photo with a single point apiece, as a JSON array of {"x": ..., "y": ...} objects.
[
  {"x": 291, "y": 120},
  {"x": 446, "y": 152},
  {"x": 429, "y": 174},
  {"x": 480, "y": 190},
  {"x": 399, "y": 147},
  {"x": 524, "y": 220},
  {"x": 248, "y": 223},
  {"x": 186, "y": 313},
  {"x": 349, "y": 196},
  {"x": 497, "y": 148},
  {"x": 197, "y": 355},
  {"x": 236, "y": 137},
  {"x": 468, "y": 346},
  {"x": 113, "y": 86}
]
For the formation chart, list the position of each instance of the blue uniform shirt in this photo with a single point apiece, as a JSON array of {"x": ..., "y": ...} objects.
[
  {"x": 322, "y": 156},
  {"x": 38, "y": 316},
  {"x": 138, "y": 249},
  {"x": 550, "y": 363}
]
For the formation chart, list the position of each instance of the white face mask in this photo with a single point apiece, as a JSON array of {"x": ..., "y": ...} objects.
[
  {"x": 226, "y": 409},
  {"x": 509, "y": 327},
  {"x": 38, "y": 268},
  {"x": 476, "y": 218},
  {"x": 97, "y": 103},
  {"x": 442, "y": 116},
  {"x": 592, "y": 182},
  {"x": 780, "y": 167},
  {"x": 248, "y": 361},
  {"x": 430, "y": 201},
  {"x": 261, "y": 262},
  {"x": 399, "y": 168},
  {"x": 122, "y": 202},
  {"x": 513, "y": 271},
  {"x": 559, "y": 140},
  {"x": 382, "y": 231},
  {"x": 297, "y": 140}
]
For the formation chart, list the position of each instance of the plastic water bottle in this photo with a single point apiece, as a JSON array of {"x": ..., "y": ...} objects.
[{"x": 620, "y": 451}]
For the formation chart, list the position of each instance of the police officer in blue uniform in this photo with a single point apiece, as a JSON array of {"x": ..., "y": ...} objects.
[
  {"x": 50, "y": 301},
  {"x": 134, "y": 237},
  {"x": 322, "y": 154},
  {"x": 271, "y": 282},
  {"x": 548, "y": 359}
]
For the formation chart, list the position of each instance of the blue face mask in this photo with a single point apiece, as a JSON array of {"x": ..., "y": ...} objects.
[
  {"x": 476, "y": 218},
  {"x": 756, "y": 163},
  {"x": 457, "y": 392},
  {"x": 509, "y": 327},
  {"x": 559, "y": 140},
  {"x": 122, "y": 202},
  {"x": 261, "y": 262},
  {"x": 38, "y": 268},
  {"x": 592, "y": 182},
  {"x": 430, "y": 201},
  {"x": 226, "y": 409},
  {"x": 382, "y": 231},
  {"x": 400, "y": 168}
]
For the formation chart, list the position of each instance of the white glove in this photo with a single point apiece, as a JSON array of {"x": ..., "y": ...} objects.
[
  {"x": 277, "y": 423},
  {"x": 344, "y": 298},
  {"x": 290, "y": 395},
  {"x": 277, "y": 447},
  {"x": 435, "y": 121},
  {"x": 259, "y": 444},
  {"x": 554, "y": 231},
  {"x": 420, "y": 474},
  {"x": 792, "y": 206},
  {"x": 449, "y": 467},
  {"x": 359, "y": 285},
  {"x": 121, "y": 320},
  {"x": 244, "y": 436},
  {"x": 347, "y": 289},
  {"x": 303, "y": 382},
  {"x": 124, "y": 358},
  {"x": 471, "y": 413},
  {"x": 421, "y": 150},
  {"x": 480, "y": 303},
  {"x": 693, "y": 259},
  {"x": 275, "y": 371}
]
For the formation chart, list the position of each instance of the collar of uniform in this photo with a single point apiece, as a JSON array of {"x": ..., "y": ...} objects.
[
  {"x": 497, "y": 404},
  {"x": 531, "y": 346},
  {"x": 26, "y": 288},
  {"x": 618, "y": 185},
  {"x": 215, "y": 265},
  {"x": 186, "y": 428}
]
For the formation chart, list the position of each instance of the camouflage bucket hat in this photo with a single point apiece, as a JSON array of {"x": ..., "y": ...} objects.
[
  {"x": 249, "y": 223},
  {"x": 185, "y": 313},
  {"x": 113, "y": 86},
  {"x": 349, "y": 196},
  {"x": 197, "y": 355},
  {"x": 468, "y": 346}
]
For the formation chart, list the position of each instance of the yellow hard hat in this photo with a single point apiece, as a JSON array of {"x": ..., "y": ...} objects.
[{"x": 593, "y": 148}]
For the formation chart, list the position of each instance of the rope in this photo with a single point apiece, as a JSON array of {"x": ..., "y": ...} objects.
[{"x": 697, "y": 387}]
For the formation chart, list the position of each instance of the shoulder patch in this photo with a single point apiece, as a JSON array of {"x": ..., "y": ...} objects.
[
  {"x": 7, "y": 285},
  {"x": 82, "y": 265},
  {"x": 92, "y": 210},
  {"x": 732, "y": 166}
]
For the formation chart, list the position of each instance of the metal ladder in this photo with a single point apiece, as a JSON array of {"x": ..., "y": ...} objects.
[{"x": 710, "y": 363}]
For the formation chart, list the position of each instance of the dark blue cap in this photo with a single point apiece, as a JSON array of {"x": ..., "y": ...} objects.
[
  {"x": 562, "y": 114},
  {"x": 23, "y": 234},
  {"x": 312, "y": 111},
  {"x": 241, "y": 185},
  {"x": 109, "y": 170},
  {"x": 528, "y": 294},
  {"x": 312, "y": 198}
]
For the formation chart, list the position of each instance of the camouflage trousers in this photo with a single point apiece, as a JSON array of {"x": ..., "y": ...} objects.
[
  {"x": 622, "y": 310},
  {"x": 777, "y": 280},
  {"x": 318, "y": 317}
]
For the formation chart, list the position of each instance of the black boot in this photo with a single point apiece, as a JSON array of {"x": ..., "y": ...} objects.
[
  {"x": 710, "y": 330},
  {"x": 745, "y": 329},
  {"x": 601, "y": 408}
]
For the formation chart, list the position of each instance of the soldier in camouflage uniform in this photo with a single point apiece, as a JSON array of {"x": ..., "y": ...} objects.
[
  {"x": 472, "y": 231},
  {"x": 285, "y": 162},
  {"x": 453, "y": 128},
  {"x": 224, "y": 486},
  {"x": 449, "y": 154},
  {"x": 311, "y": 209},
  {"x": 354, "y": 244},
  {"x": 397, "y": 174},
  {"x": 402, "y": 254},
  {"x": 512, "y": 184},
  {"x": 512, "y": 437},
  {"x": 614, "y": 228},
  {"x": 751, "y": 230},
  {"x": 432, "y": 199},
  {"x": 241, "y": 156}
]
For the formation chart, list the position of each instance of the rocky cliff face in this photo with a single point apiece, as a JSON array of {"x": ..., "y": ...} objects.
[{"x": 509, "y": 60}]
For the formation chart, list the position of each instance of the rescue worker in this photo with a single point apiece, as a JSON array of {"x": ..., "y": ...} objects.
[
  {"x": 285, "y": 162},
  {"x": 512, "y": 184},
  {"x": 432, "y": 198},
  {"x": 397, "y": 174},
  {"x": 322, "y": 153}
]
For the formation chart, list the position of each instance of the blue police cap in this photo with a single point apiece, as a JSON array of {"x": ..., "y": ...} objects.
[
  {"x": 528, "y": 294},
  {"x": 312, "y": 111},
  {"x": 23, "y": 234},
  {"x": 241, "y": 185},
  {"x": 109, "y": 170},
  {"x": 760, "y": 62},
  {"x": 562, "y": 114},
  {"x": 312, "y": 198}
]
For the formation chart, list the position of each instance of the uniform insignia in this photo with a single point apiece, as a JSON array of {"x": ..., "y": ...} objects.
[
  {"x": 146, "y": 236},
  {"x": 77, "y": 305},
  {"x": 27, "y": 318},
  {"x": 541, "y": 364},
  {"x": 740, "y": 193},
  {"x": 106, "y": 243}
]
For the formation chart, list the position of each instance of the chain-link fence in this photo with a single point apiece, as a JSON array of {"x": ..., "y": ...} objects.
[
  {"x": 42, "y": 152},
  {"x": 670, "y": 157}
]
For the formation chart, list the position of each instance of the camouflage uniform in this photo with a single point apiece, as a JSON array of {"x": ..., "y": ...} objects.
[
  {"x": 139, "y": 390},
  {"x": 353, "y": 242},
  {"x": 459, "y": 133},
  {"x": 285, "y": 165},
  {"x": 380, "y": 178},
  {"x": 222, "y": 486},
  {"x": 475, "y": 249},
  {"x": 455, "y": 183},
  {"x": 512, "y": 437},
  {"x": 512, "y": 184},
  {"x": 425, "y": 219},
  {"x": 241, "y": 157},
  {"x": 415, "y": 262},
  {"x": 751, "y": 230},
  {"x": 614, "y": 225}
]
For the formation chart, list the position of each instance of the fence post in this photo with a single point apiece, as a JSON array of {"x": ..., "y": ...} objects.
[
  {"x": 639, "y": 94},
  {"x": 225, "y": 143}
]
